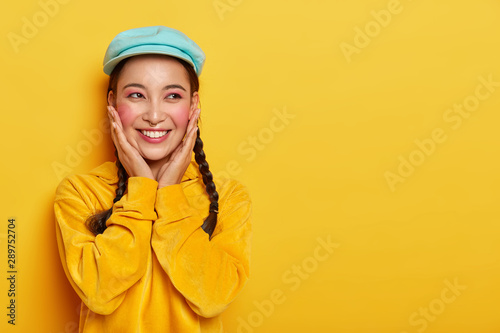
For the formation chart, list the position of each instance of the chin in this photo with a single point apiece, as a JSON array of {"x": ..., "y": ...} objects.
[{"x": 154, "y": 156}]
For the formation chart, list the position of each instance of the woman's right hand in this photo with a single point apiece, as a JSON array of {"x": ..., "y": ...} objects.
[{"x": 132, "y": 161}]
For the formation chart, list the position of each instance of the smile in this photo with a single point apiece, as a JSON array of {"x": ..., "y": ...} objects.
[{"x": 154, "y": 134}]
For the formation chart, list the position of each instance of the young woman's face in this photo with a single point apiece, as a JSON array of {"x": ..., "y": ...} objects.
[{"x": 154, "y": 101}]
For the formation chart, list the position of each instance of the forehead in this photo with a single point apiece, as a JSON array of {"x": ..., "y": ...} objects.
[{"x": 153, "y": 70}]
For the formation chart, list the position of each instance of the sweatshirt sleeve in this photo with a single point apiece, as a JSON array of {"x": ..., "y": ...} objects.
[
  {"x": 208, "y": 273},
  {"x": 102, "y": 268}
]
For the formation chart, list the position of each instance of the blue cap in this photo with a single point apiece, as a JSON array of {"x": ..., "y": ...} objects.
[{"x": 153, "y": 40}]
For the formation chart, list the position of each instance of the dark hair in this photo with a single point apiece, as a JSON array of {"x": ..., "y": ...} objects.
[{"x": 97, "y": 222}]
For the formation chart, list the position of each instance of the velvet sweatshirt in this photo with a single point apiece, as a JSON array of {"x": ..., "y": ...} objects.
[{"x": 154, "y": 268}]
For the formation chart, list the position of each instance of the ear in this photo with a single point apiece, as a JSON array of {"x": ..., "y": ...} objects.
[
  {"x": 195, "y": 100},
  {"x": 111, "y": 99}
]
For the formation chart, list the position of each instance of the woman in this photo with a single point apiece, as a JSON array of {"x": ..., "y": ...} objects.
[{"x": 152, "y": 243}]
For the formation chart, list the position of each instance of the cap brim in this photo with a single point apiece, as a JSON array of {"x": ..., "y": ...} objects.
[{"x": 148, "y": 49}]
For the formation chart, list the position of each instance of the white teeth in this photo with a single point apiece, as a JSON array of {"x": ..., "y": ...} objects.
[{"x": 154, "y": 134}]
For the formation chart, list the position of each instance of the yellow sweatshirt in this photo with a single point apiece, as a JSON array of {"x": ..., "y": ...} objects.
[{"x": 154, "y": 268}]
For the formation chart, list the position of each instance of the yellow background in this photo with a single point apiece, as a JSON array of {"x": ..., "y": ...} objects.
[{"x": 319, "y": 175}]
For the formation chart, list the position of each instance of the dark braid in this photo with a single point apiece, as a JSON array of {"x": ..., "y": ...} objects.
[
  {"x": 97, "y": 223},
  {"x": 199, "y": 155}
]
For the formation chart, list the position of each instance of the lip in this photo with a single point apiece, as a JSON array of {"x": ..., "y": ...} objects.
[{"x": 154, "y": 140}]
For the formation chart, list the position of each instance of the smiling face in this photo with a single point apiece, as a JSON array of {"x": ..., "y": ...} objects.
[{"x": 154, "y": 101}]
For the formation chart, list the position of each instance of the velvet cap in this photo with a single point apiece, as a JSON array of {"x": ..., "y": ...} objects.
[{"x": 153, "y": 40}]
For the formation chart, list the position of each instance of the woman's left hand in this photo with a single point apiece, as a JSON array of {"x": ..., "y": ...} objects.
[{"x": 172, "y": 171}]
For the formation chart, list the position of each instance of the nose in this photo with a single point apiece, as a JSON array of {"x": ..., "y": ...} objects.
[{"x": 154, "y": 114}]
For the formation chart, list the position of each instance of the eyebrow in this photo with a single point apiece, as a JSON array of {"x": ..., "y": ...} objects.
[{"x": 138, "y": 85}]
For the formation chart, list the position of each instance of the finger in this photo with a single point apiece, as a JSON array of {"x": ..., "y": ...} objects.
[
  {"x": 110, "y": 118},
  {"x": 117, "y": 135},
  {"x": 122, "y": 140},
  {"x": 112, "y": 126},
  {"x": 195, "y": 113},
  {"x": 117, "y": 126},
  {"x": 116, "y": 117},
  {"x": 190, "y": 139},
  {"x": 116, "y": 141},
  {"x": 175, "y": 152},
  {"x": 183, "y": 150},
  {"x": 194, "y": 120},
  {"x": 193, "y": 123}
]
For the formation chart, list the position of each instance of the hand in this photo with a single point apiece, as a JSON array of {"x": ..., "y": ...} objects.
[
  {"x": 132, "y": 161},
  {"x": 172, "y": 171}
]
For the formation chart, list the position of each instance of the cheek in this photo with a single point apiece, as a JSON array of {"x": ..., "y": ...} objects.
[
  {"x": 126, "y": 115},
  {"x": 181, "y": 117}
]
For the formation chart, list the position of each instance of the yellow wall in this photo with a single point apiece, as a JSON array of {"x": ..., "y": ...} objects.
[{"x": 365, "y": 131}]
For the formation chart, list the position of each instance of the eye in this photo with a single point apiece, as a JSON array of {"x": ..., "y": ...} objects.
[
  {"x": 173, "y": 96},
  {"x": 136, "y": 95}
]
